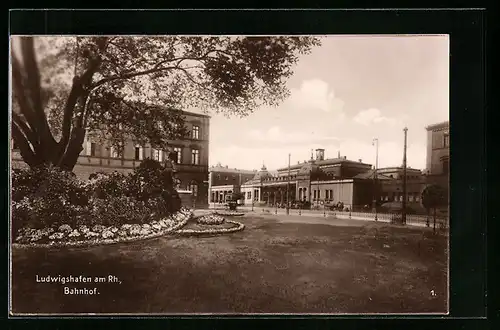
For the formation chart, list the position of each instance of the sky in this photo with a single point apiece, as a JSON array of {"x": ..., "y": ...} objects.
[{"x": 344, "y": 94}]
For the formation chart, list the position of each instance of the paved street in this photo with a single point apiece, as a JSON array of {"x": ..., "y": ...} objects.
[{"x": 306, "y": 216}]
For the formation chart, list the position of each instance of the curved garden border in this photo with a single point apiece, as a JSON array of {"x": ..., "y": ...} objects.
[
  {"x": 107, "y": 241},
  {"x": 229, "y": 214},
  {"x": 191, "y": 232}
]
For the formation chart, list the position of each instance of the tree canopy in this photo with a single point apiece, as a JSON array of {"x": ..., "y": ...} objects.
[
  {"x": 433, "y": 196},
  {"x": 130, "y": 87}
]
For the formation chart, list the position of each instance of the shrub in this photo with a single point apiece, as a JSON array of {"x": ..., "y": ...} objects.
[
  {"x": 46, "y": 196},
  {"x": 45, "y": 211},
  {"x": 151, "y": 181},
  {"x": 117, "y": 211},
  {"x": 105, "y": 185}
]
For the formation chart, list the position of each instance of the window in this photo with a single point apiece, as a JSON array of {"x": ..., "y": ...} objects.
[
  {"x": 256, "y": 195},
  {"x": 178, "y": 152},
  {"x": 158, "y": 155},
  {"x": 196, "y": 132},
  {"x": 14, "y": 145},
  {"x": 446, "y": 141},
  {"x": 319, "y": 194},
  {"x": 314, "y": 194},
  {"x": 249, "y": 195},
  {"x": 139, "y": 153},
  {"x": 93, "y": 148},
  {"x": 218, "y": 176},
  {"x": 417, "y": 197},
  {"x": 115, "y": 152},
  {"x": 331, "y": 194},
  {"x": 194, "y": 188},
  {"x": 326, "y": 195},
  {"x": 195, "y": 157},
  {"x": 227, "y": 178}
]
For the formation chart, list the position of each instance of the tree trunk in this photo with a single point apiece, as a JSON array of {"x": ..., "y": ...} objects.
[{"x": 75, "y": 147}]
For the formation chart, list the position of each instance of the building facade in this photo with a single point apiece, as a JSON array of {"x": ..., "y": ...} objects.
[
  {"x": 191, "y": 163},
  {"x": 330, "y": 181},
  {"x": 223, "y": 180},
  {"x": 438, "y": 149},
  {"x": 316, "y": 181}
]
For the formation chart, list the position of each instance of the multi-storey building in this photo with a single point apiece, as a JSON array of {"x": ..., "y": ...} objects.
[
  {"x": 438, "y": 157},
  {"x": 224, "y": 180},
  {"x": 438, "y": 149},
  {"x": 191, "y": 157}
]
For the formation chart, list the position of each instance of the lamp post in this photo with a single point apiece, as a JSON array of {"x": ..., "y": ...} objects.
[
  {"x": 288, "y": 188},
  {"x": 403, "y": 215},
  {"x": 375, "y": 177}
]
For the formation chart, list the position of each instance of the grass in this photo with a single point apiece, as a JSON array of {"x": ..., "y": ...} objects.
[{"x": 270, "y": 267}]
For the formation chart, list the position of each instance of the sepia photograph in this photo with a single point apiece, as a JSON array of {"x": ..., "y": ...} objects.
[{"x": 229, "y": 174}]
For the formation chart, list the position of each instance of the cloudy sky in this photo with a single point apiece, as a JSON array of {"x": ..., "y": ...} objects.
[{"x": 344, "y": 94}]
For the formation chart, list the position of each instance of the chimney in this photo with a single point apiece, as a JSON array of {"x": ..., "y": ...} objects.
[
  {"x": 345, "y": 157},
  {"x": 227, "y": 166},
  {"x": 320, "y": 154},
  {"x": 360, "y": 160}
]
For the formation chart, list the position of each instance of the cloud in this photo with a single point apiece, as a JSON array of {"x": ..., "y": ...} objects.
[
  {"x": 315, "y": 94},
  {"x": 374, "y": 116},
  {"x": 276, "y": 135}
]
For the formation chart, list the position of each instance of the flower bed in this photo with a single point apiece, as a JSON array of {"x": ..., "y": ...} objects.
[
  {"x": 229, "y": 214},
  {"x": 214, "y": 230},
  {"x": 64, "y": 235},
  {"x": 210, "y": 219}
]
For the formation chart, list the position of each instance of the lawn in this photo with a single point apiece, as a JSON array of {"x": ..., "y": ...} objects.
[{"x": 270, "y": 267}]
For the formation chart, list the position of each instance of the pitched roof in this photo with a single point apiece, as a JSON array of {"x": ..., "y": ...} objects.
[
  {"x": 371, "y": 175},
  {"x": 330, "y": 161},
  {"x": 223, "y": 169}
]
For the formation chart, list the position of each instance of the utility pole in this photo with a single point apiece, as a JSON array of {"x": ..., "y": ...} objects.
[
  {"x": 288, "y": 188},
  {"x": 375, "y": 178},
  {"x": 403, "y": 215}
]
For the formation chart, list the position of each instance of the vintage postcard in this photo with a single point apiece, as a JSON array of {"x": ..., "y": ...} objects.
[{"x": 213, "y": 174}]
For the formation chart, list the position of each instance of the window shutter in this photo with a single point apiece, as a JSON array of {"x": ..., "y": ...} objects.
[
  {"x": 160, "y": 155},
  {"x": 141, "y": 153}
]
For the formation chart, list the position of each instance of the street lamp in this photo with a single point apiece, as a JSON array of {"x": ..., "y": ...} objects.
[
  {"x": 403, "y": 215},
  {"x": 375, "y": 177},
  {"x": 288, "y": 188}
]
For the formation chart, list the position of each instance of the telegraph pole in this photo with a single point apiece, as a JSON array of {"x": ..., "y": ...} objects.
[
  {"x": 288, "y": 188},
  {"x": 403, "y": 215},
  {"x": 375, "y": 178}
]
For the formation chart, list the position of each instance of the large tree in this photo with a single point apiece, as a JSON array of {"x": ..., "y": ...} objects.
[{"x": 129, "y": 87}]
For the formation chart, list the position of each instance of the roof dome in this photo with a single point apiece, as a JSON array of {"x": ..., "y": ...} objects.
[{"x": 262, "y": 174}]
